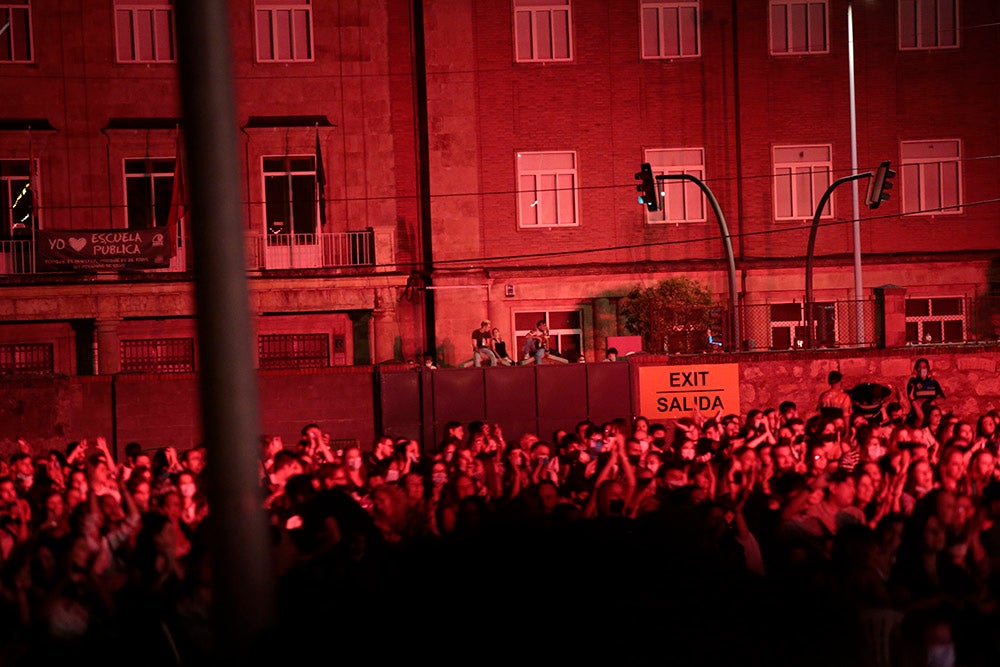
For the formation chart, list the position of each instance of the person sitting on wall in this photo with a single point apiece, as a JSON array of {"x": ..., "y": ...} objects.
[
  {"x": 482, "y": 345},
  {"x": 536, "y": 343},
  {"x": 500, "y": 347}
]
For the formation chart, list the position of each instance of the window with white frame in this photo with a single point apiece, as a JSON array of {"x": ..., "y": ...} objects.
[
  {"x": 542, "y": 30},
  {"x": 565, "y": 331},
  {"x": 928, "y": 24},
  {"x": 931, "y": 176},
  {"x": 682, "y": 200},
  {"x": 144, "y": 31},
  {"x": 16, "y": 200},
  {"x": 670, "y": 29},
  {"x": 799, "y": 26},
  {"x": 546, "y": 189},
  {"x": 789, "y": 328},
  {"x": 801, "y": 176},
  {"x": 291, "y": 207},
  {"x": 149, "y": 187},
  {"x": 284, "y": 30},
  {"x": 935, "y": 319},
  {"x": 15, "y": 36}
]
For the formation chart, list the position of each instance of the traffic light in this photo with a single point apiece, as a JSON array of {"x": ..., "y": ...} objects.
[
  {"x": 879, "y": 186},
  {"x": 647, "y": 187}
]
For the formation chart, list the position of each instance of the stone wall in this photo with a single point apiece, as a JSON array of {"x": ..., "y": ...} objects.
[{"x": 970, "y": 376}]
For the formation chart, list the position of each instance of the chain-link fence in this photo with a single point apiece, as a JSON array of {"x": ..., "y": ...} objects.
[
  {"x": 766, "y": 326},
  {"x": 789, "y": 326},
  {"x": 824, "y": 324},
  {"x": 933, "y": 320}
]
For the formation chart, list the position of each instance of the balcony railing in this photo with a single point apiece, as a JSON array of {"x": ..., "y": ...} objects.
[
  {"x": 317, "y": 251},
  {"x": 368, "y": 248}
]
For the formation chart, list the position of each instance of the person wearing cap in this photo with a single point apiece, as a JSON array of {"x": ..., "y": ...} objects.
[{"x": 482, "y": 345}]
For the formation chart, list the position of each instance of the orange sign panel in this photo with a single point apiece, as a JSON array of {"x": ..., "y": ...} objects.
[{"x": 672, "y": 392}]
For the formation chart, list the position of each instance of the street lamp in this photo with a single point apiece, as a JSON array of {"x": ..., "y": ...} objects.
[
  {"x": 855, "y": 207},
  {"x": 734, "y": 324}
]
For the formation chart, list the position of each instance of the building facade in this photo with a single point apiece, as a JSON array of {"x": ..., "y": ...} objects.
[{"x": 412, "y": 167}]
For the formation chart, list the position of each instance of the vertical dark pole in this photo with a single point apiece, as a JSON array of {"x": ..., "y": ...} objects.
[
  {"x": 243, "y": 588},
  {"x": 424, "y": 176}
]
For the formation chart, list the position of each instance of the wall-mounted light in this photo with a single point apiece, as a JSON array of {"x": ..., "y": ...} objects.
[{"x": 509, "y": 290}]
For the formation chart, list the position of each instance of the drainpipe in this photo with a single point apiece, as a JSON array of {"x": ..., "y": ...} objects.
[{"x": 425, "y": 240}]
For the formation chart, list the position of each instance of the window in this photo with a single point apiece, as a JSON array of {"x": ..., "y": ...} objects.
[
  {"x": 546, "y": 189},
  {"x": 542, "y": 30},
  {"x": 293, "y": 351},
  {"x": 149, "y": 186},
  {"x": 928, "y": 24},
  {"x": 670, "y": 29},
  {"x": 931, "y": 176},
  {"x": 799, "y": 27},
  {"x": 935, "y": 320},
  {"x": 15, "y": 38},
  {"x": 789, "y": 329},
  {"x": 158, "y": 355},
  {"x": 801, "y": 176},
  {"x": 290, "y": 198},
  {"x": 16, "y": 200},
  {"x": 565, "y": 332},
  {"x": 144, "y": 31},
  {"x": 683, "y": 201},
  {"x": 284, "y": 30},
  {"x": 26, "y": 359}
]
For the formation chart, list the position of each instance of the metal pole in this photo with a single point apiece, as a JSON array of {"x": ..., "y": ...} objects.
[
  {"x": 812, "y": 244},
  {"x": 856, "y": 209},
  {"x": 243, "y": 599},
  {"x": 734, "y": 324}
]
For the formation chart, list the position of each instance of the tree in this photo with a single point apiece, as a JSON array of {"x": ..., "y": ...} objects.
[{"x": 673, "y": 316}]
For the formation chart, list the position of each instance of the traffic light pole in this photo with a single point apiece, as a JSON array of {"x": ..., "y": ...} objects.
[
  {"x": 734, "y": 318},
  {"x": 810, "y": 316}
]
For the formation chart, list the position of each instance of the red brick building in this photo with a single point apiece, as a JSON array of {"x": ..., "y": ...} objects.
[{"x": 413, "y": 167}]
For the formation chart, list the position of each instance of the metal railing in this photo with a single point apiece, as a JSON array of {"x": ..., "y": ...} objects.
[
  {"x": 16, "y": 257},
  {"x": 264, "y": 252},
  {"x": 283, "y": 351},
  {"x": 26, "y": 359},
  {"x": 311, "y": 251},
  {"x": 157, "y": 355}
]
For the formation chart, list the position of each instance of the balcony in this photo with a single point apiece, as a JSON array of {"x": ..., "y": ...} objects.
[{"x": 369, "y": 248}]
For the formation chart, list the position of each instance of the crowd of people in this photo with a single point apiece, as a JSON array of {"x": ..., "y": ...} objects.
[{"x": 826, "y": 534}]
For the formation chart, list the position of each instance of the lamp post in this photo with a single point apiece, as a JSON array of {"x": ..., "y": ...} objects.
[
  {"x": 734, "y": 318},
  {"x": 855, "y": 206},
  {"x": 810, "y": 319}
]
